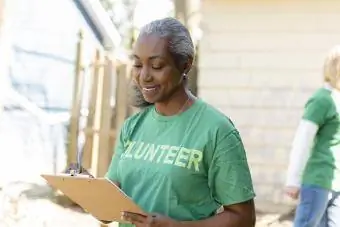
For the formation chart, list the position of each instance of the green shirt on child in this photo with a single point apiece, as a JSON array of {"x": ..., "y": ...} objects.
[{"x": 323, "y": 166}]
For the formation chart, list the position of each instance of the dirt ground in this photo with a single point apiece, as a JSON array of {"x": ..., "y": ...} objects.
[{"x": 24, "y": 205}]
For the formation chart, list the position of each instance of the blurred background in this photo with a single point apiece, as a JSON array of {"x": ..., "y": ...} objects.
[{"x": 64, "y": 69}]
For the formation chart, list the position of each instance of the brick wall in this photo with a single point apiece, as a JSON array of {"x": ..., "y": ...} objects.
[{"x": 259, "y": 62}]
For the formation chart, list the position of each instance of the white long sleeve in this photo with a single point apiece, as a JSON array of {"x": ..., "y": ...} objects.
[{"x": 300, "y": 152}]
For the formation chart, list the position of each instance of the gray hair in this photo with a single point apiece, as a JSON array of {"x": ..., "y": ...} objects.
[
  {"x": 180, "y": 43},
  {"x": 180, "y": 46}
]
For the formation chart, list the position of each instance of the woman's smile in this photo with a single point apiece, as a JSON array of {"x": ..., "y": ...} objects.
[{"x": 150, "y": 90}]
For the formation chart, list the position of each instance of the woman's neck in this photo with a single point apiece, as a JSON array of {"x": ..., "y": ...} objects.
[{"x": 176, "y": 104}]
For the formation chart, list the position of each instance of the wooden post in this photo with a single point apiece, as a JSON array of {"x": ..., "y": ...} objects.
[
  {"x": 89, "y": 130},
  {"x": 76, "y": 105},
  {"x": 121, "y": 95},
  {"x": 121, "y": 108},
  {"x": 186, "y": 12},
  {"x": 101, "y": 153},
  {"x": 181, "y": 11}
]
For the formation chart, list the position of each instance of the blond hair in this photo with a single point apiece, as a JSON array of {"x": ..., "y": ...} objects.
[{"x": 331, "y": 69}]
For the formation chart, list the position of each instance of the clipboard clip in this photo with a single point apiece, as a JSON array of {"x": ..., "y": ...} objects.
[{"x": 74, "y": 170}]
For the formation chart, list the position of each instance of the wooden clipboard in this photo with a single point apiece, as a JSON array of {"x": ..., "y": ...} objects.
[{"x": 98, "y": 196}]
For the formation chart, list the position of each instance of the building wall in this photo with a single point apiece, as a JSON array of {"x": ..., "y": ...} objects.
[
  {"x": 44, "y": 34},
  {"x": 259, "y": 62},
  {"x": 41, "y": 37}
]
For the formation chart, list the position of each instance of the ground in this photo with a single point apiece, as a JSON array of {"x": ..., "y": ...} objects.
[{"x": 23, "y": 204}]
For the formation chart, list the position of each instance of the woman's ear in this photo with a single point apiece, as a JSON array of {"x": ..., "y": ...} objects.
[{"x": 187, "y": 66}]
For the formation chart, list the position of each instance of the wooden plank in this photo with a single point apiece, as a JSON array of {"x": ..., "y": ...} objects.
[
  {"x": 187, "y": 13},
  {"x": 87, "y": 152},
  {"x": 93, "y": 131},
  {"x": 76, "y": 105},
  {"x": 121, "y": 108},
  {"x": 101, "y": 154},
  {"x": 122, "y": 95}
]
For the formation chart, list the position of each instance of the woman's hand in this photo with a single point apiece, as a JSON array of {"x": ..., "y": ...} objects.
[{"x": 150, "y": 220}]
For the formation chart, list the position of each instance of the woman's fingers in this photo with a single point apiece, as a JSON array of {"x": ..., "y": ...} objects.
[{"x": 134, "y": 217}]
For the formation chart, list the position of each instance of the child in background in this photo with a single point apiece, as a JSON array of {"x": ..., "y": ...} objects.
[{"x": 314, "y": 168}]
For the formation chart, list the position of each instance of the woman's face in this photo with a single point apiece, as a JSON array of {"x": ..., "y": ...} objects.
[{"x": 154, "y": 69}]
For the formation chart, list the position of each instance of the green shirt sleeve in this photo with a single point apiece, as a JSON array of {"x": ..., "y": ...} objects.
[
  {"x": 112, "y": 173},
  {"x": 229, "y": 175},
  {"x": 316, "y": 110}
]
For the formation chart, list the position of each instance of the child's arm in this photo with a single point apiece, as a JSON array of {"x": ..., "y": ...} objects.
[{"x": 300, "y": 152}]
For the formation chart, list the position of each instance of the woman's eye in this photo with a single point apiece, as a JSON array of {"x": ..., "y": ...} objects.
[{"x": 137, "y": 66}]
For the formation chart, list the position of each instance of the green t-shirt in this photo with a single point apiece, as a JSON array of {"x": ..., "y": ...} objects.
[
  {"x": 323, "y": 166},
  {"x": 184, "y": 166}
]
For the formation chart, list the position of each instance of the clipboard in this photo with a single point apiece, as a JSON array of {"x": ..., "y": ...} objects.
[{"x": 98, "y": 196}]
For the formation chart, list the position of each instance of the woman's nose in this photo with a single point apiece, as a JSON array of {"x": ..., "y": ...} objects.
[{"x": 144, "y": 74}]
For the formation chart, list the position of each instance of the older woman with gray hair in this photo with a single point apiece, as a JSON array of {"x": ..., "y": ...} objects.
[
  {"x": 314, "y": 168},
  {"x": 181, "y": 160}
]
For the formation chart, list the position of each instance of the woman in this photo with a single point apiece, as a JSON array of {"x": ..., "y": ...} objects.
[
  {"x": 314, "y": 170},
  {"x": 178, "y": 158}
]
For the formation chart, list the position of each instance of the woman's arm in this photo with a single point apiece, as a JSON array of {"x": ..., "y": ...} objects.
[
  {"x": 242, "y": 214},
  {"x": 238, "y": 215}
]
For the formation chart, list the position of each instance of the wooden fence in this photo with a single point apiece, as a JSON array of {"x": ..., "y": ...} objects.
[{"x": 106, "y": 110}]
